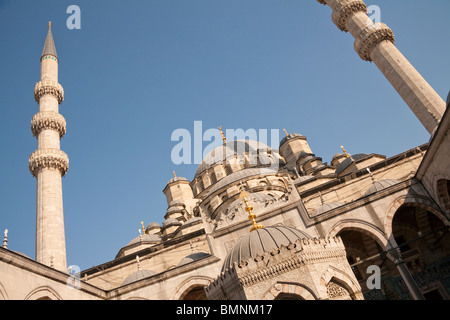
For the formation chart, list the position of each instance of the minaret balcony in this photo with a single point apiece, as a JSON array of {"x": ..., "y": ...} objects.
[
  {"x": 48, "y": 120},
  {"x": 53, "y": 88},
  {"x": 48, "y": 158},
  {"x": 370, "y": 37}
]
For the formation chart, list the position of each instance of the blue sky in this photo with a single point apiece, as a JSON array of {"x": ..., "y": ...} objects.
[{"x": 138, "y": 70}]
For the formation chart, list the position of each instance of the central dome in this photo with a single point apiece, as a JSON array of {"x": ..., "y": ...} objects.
[
  {"x": 260, "y": 241},
  {"x": 229, "y": 150}
]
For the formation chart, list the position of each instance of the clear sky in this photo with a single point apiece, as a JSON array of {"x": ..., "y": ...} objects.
[{"x": 137, "y": 71}]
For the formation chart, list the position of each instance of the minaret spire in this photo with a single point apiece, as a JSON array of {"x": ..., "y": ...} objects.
[
  {"x": 48, "y": 163},
  {"x": 49, "y": 46}
]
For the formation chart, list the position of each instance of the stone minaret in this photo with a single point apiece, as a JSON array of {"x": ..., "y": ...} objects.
[
  {"x": 48, "y": 163},
  {"x": 375, "y": 42}
]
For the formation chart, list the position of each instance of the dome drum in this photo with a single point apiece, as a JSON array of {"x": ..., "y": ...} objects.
[{"x": 230, "y": 158}]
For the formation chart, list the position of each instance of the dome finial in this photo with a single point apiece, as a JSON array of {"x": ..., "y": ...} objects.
[
  {"x": 345, "y": 152},
  {"x": 143, "y": 228},
  {"x": 223, "y": 136},
  {"x": 285, "y": 132},
  {"x": 249, "y": 209},
  {"x": 49, "y": 25}
]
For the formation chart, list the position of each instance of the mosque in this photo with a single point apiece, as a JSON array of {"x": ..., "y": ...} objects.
[{"x": 255, "y": 223}]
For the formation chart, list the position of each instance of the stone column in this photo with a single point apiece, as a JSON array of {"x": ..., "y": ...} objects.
[
  {"x": 48, "y": 163},
  {"x": 375, "y": 42},
  {"x": 396, "y": 257}
]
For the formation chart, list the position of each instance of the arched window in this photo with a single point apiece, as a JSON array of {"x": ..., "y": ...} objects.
[
  {"x": 213, "y": 178},
  {"x": 443, "y": 190}
]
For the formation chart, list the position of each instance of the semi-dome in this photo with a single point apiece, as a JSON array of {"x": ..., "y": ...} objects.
[
  {"x": 380, "y": 185},
  {"x": 138, "y": 275},
  {"x": 260, "y": 241},
  {"x": 230, "y": 150}
]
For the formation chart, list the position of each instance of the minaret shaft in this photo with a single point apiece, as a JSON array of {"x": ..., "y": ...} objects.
[
  {"x": 50, "y": 237},
  {"x": 375, "y": 42},
  {"x": 48, "y": 163}
]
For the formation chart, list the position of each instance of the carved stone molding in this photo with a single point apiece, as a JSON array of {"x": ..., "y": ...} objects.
[
  {"x": 48, "y": 120},
  {"x": 346, "y": 9},
  {"x": 48, "y": 87},
  {"x": 370, "y": 37},
  {"x": 48, "y": 158}
]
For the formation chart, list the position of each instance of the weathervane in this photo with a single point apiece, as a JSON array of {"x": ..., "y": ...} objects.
[{"x": 249, "y": 209}]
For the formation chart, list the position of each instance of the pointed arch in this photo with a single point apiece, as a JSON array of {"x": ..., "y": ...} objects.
[
  {"x": 362, "y": 226},
  {"x": 343, "y": 279},
  {"x": 420, "y": 202},
  {"x": 43, "y": 293},
  {"x": 190, "y": 284}
]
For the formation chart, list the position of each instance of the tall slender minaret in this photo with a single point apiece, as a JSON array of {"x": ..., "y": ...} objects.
[
  {"x": 48, "y": 163},
  {"x": 375, "y": 42}
]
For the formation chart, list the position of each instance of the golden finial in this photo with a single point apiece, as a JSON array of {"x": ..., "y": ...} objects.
[
  {"x": 223, "y": 136},
  {"x": 143, "y": 228},
  {"x": 345, "y": 152},
  {"x": 285, "y": 132},
  {"x": 174, "y": 174},
  {"x": 49, "y": 25},
  {"x": 249, "y": 209}
]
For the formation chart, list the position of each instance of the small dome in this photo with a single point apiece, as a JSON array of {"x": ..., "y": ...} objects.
[
  {"x": 193, "y": 257},
  {"x": 291, "y": 136},
  {"x": 260, "y": 241},
  {"x": 139, "y": 275},
  {"x": 146, "y": 238},
  {"x": 380, "y": 185},
  {"x": 327, "y": 207},
  {"x": 230, "y": 150},
  {"x": 174, "y": 210},
  {"x": 153, "y": 225},
  {"x": 175, "y": 179},
  {"x": 337, "y": 155},
  {"x": 347, "y": 162},
  {"x": 170, "y": 222},
  {"x": 337, "y": 158},
  {"x": 176, "y": 203}
]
